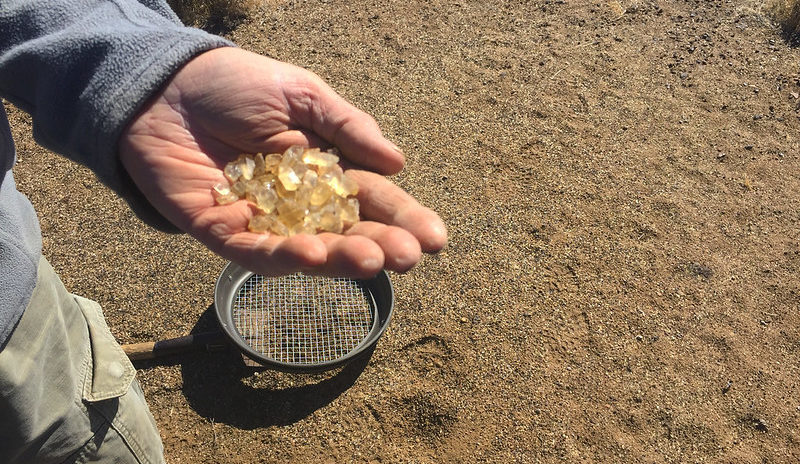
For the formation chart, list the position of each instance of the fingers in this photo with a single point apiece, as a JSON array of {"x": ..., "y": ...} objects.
[
  {"x": 273, "y": 255},
  {"x": 385, "y": 202},
  {"x": 314, "y": 104},
  {"x": 323, "y": 254},
  {"x": 363, "y": 251},
  {"x": 401, "y": 249}
]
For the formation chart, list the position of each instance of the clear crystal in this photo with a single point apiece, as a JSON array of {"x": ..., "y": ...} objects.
[
  {"x": 299, "y": 191},
  {"x": 233, "y": 171},
  {"x": 239, "y": 188},
  {"x": 270, "y": 161},
  {"x": 349, "y": 211},
  {"x": 247, "y": 166},
  {"x": 265, "y": 199},
  {"x": 260, "y": 166},
  {"x": 279, "y": 228},
  {"x": 222, "y": 189},
  {"x": 228, "y": 198},
  {"x": 260, "y": 223},
  {"x": 288, "y": 178},
  {"x": 320, "y": 158}
]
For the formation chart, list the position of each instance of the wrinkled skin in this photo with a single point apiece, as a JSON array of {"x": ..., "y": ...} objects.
[{"x": 228, "y": 101}]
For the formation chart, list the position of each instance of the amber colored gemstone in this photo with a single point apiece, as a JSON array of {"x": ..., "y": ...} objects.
[
  {"x": 331, "y": 223},
  {"x": 239, "y": 188},
  {"x": 232, "y": 171},
  {"x": 349, "y": 211},
  {"x": 319, "y": 158},
  {"x": 289, "y": 179},
  {"x": 272, "y": 160},
  {"x": 247, "y": 166},
  {"x": 222, "y": 189},
  {"x": 260, "y": 223},
  {"x": 229, "y": 197},
  {"x": 300, "y": 191},
  {"x": 320, "y": 195},
  {"x": 291, "y": 213},
  {"x": 265, "y": 199},
  {"x": 279, "y": 228},
  {"x": 260, "y": 166}
]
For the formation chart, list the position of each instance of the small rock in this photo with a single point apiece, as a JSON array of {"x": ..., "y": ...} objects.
[
  {"x": 759, "y": 424},
  {"x": 727, "y": 387}
]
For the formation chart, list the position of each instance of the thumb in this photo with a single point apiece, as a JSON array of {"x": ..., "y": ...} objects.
[{"x": 346, "y": 127}]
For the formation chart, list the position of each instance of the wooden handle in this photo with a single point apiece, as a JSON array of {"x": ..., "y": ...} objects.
[
  {"x": 136, "y": 351},
  {"x": 150, "y": 350}
]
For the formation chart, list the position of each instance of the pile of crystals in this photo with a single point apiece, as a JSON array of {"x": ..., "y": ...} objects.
[{"x": 302, "y": 191}]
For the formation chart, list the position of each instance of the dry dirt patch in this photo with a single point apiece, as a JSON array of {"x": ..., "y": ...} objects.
[{"x": 620, "y": 180}]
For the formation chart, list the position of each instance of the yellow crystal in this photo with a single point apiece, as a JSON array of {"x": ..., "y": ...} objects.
[
  {"x": 319, "y": 158},
  {"x": 279, "y": 228},
  {"x": 272, "y": 160},
  {"x": 239, "y": 188},
  {"x": 349, "y": 211},
  {"x": 229, "y": 197},
  {"x": 232, "y": 171},
  {"x": 299, "y": 191},
  {"x": 260, "y": 165},
  {"x": 265, "y": 199},
  {"x": 331, "y": 223},
  {"x": 320, "y": 195},
  {"x": 222, "y": 189},
  {"x": 247, "y": 166},
  {"x": 289, "y": 179},
  {"x": 260, "y": 223},
  {"x": 291, "y": 212}
]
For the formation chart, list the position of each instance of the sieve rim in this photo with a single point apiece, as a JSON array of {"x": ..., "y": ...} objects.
[{"x": 379, "y": 289}]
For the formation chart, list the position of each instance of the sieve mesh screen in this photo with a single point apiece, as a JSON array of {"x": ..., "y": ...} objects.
[{"x": 303, "y": 319}]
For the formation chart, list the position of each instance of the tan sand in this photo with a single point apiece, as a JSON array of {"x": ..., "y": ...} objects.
[{"x": 621, "y": 181}]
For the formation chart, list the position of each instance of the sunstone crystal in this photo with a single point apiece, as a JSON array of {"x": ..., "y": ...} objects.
[
  {"x": 301, "y": 191},
  {"x": 319, "y": 158},
  {"x": 260, "y": 223},
  {"x": 247, "y": 165}
]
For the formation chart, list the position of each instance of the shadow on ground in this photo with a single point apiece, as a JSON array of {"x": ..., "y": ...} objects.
[{"x": 220, "y": 387}]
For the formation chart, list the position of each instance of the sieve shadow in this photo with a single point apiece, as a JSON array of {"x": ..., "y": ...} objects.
[{"x": 220, "y": 387}]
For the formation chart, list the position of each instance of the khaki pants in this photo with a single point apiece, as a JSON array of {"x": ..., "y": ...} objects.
[{"x": 67, "y": 391}]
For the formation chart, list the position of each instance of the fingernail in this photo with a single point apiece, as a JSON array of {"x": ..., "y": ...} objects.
[{"x": 397, "y": 149}]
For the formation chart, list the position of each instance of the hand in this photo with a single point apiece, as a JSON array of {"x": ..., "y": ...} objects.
[{"x": 228, "y": 101}]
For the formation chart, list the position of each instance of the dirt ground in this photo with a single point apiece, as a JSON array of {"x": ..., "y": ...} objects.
[{"x": 621, "y": 182}]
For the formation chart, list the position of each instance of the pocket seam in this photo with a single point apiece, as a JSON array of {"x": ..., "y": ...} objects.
[{"x": 100, "y": 338}]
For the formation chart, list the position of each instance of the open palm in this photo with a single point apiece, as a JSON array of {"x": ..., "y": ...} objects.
[{"x": 228, "y": 101}]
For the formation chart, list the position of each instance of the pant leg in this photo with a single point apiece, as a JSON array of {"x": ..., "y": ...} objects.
[{"x": 67, "y": 391}]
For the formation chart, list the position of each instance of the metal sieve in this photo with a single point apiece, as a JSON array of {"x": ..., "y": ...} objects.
[
  {"x": 293, "y": 323},
  {"x": 300, "y": 322}
]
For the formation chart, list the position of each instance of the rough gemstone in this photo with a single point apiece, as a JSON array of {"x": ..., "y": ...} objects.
[
  {"x": 289, "y": 179},
  {"x": 239, "y": 188},
  {"x": 229, "y": 197},
  {"x": 260, "y": 223},
  {"x": 222, "y": 189},
  {"x": 233, "y": 172},
  {"x": 247, "y": 166},
  {"x": 299, "y": 191},
  {"x": 319, "y": 158}
]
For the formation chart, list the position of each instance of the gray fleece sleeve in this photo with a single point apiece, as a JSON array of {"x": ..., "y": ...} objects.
[{"x": 82, "y": 69}]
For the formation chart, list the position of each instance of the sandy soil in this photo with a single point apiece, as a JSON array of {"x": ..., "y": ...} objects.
[{"x": 620, "y": 180}]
